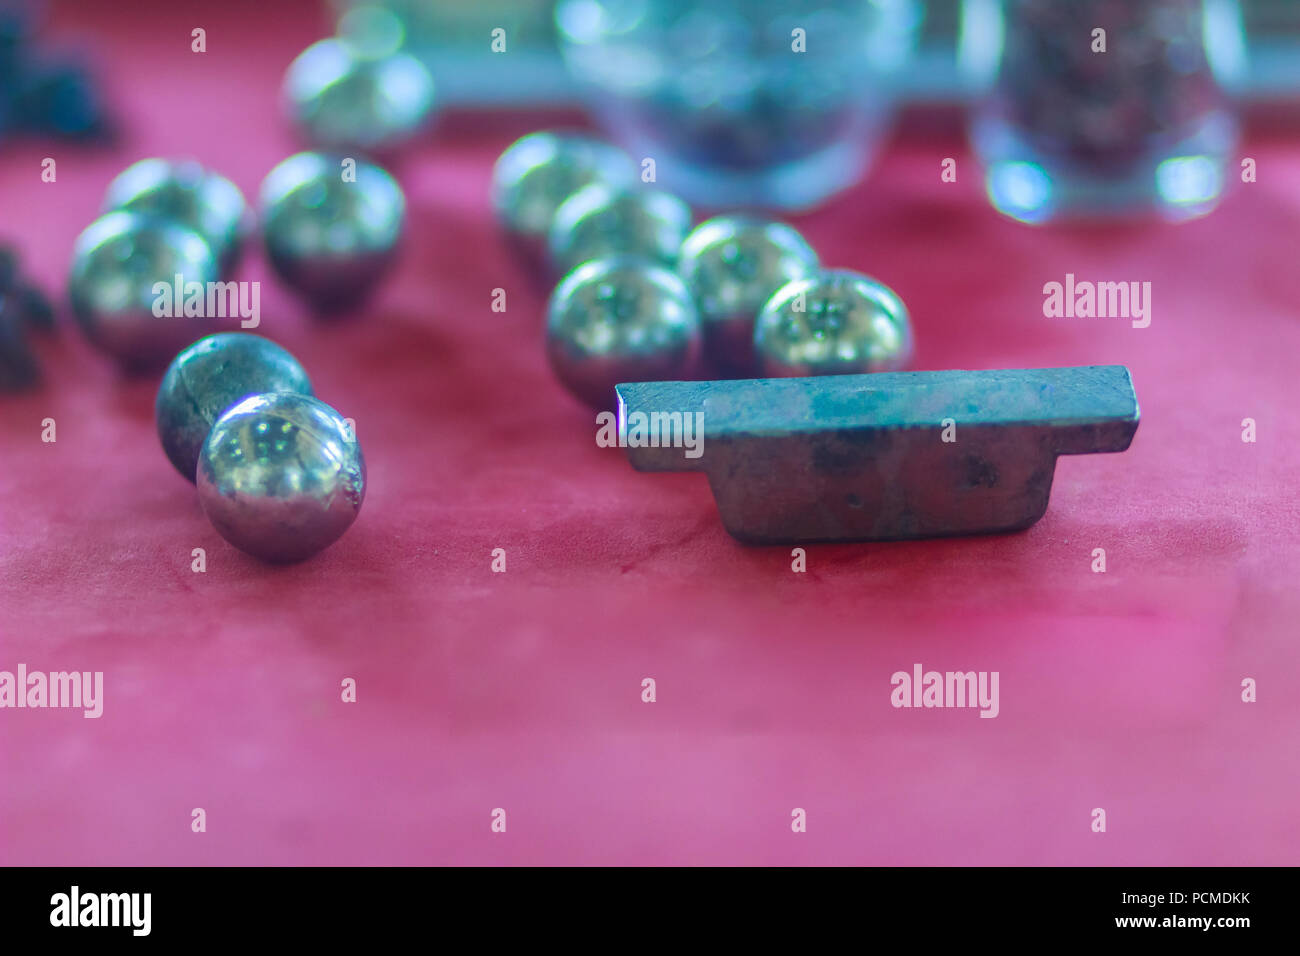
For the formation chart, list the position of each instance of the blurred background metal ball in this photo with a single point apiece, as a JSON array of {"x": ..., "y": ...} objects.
[
  {"x": 540, "y": 171},
  {"x": 837, "y": 322},
  {"x": 281, "y": 476},
  {"x": 359, "y": 92},
  {"x": 620, "y": 320},
  {"x": 332, "y": 240},
  {"x": 732, "y": 265},
  {"x": 209, "y": 377},
  {"x": 601, "y": 220},
  {"x": 116, "y": 263},
  {"x": 186, "y": 193}
]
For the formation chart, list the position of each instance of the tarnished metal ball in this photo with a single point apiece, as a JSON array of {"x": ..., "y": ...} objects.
[
  {"x": 209, "y": 377},
  {"x": 344, "y": 96},
  {"x": 600, "y": 220},
  {"x": 331, "y": 227},
  {"x": 620, "y": 320},
  {"x": 121, "y": 287},
  {"x": 837, "y": 322},
  {"x": 540, "y": 171},
  {"x": 186, "y": 193},
  {"x": 281, "y": 476},
  {"x": 732, "y": 265}
]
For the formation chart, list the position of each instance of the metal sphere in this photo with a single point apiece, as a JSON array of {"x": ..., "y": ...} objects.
[
  {"x": 344, "y": 98},
  {"x": 209, "y": 377},
  {"x": 600, "y": 220},
  {"x": 732, "y": 265},
  {"x": 620, "y": 320},
  {"x": 332, "y": 239},
  {"x": 837, "y": 322},
  {"x": 186, "y": 193},
  {"x": 540, "y": 171},
  {"x": 281, "y": 476},
  {"x": 116, "y": 264}
]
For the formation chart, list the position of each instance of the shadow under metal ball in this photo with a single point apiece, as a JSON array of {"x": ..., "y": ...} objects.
[
  {"x": 281, "y": 476},
  {"x": 600, "y": 220},
  {"x": 116, "y": 264},
  {"x": 186, "y": 193},
  {"x": 620, "y": 320},
  {"x": 332, "y": 240},
  {"x": 835, "y": 323},
  {"x": 209, "y": 377},
  {"x": 733, "y": 265},
  {"x": 343, "y": 96},
  {"x": 539, "y": 172}
]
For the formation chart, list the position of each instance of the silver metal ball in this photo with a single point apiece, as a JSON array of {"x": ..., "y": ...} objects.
[
  {"x": 732, "y": 265},
  {"x": 837, "y": 322},
  {"x": 332, "y": 239},
  {"x": 600, "y": 220},
  {"x": 620, "y": 320},
  {"x": 540, "y": 171},
  {"x": 281, "y": 476},
  {"x": 186, "y": 193},
  {"x": 116, "y": 264},
  {"x": 209, "y": 377},
  {"x": 342, "y": 97}
]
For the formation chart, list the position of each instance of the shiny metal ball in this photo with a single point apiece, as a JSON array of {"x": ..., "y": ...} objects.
[
  {"x": 120, "y": 265},
  {"x": 345, "y": 97},
  {"x": 186, "y": 193},
  {"x": 620, "y": 320},
  {"x": 837, "y": 322},
  {"x": 732, "y": 265},
  {"x": 540, "y": 171},
  {"x": 331, "y": 227},
  {"x": 209, "y": 377},
  {"x": 281, "y": 476},
  {"x": 600, "y": 220}
]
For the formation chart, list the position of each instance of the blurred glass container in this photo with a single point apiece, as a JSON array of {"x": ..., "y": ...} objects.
[
  {"x": 454, "y": 39},
  {"x": 1065, "y": 130},
  {"x": 1273, "y": 50},
  {"x": 777, "y": 103}
]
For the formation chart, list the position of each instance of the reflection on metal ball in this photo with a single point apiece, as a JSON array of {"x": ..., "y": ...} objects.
[
  {"x": 209, "y": 377},
  {"x": 732, "y": 265},
  {"x": 122, "y": 286},
  {"x": 837, "y": 322},
  {"x": 187, "y": 194},
  {"x": 600, "y": 220},
  {"x": 620, "y": 320},
  {"x": 331, "y": 227},
  {"x": 281, "y": 476}
]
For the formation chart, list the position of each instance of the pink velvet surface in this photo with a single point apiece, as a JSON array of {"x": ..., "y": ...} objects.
[{"x": 522, "y": 691}]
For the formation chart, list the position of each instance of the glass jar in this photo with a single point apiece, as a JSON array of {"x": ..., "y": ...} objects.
[
  {"x": 743, "y": 102},
  {"x": 1103, "y": 108}
]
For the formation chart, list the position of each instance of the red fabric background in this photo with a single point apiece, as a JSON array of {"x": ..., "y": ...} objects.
[{"x": 522, "y": 690}]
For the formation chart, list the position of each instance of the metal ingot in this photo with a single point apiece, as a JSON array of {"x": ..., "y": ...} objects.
[{"x": 883, "y": 456}]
